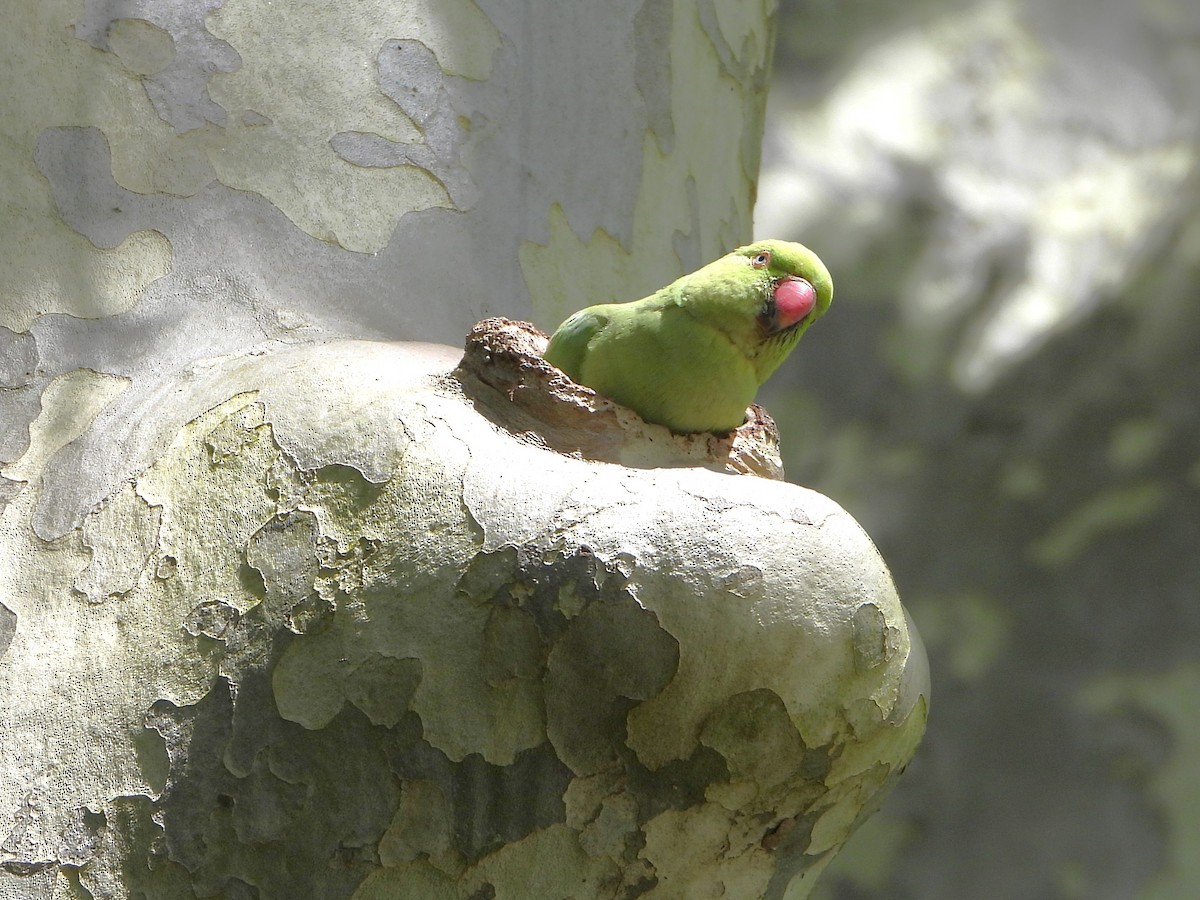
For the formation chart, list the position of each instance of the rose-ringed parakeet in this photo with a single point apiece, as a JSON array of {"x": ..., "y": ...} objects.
[{"x": 692, "y": 355}]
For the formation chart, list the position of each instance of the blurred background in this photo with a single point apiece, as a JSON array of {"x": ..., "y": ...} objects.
[{"x": 1006, "y": 394}]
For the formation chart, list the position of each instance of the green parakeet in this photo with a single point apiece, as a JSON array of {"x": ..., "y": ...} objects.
[{"x": 692, "y": 355}]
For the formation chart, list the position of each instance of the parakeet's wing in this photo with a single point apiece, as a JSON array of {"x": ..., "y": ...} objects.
[{"x": 569, "y": 344}]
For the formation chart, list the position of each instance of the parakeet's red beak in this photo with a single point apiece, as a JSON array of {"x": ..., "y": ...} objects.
[{"x": 794, "y": 299}]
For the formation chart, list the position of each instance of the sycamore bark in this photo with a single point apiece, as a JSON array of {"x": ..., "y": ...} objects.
[{"x": 288, "y": 611}]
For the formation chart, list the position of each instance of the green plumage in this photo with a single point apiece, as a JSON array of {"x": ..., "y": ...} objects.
[{"x": 692, "y": 355}]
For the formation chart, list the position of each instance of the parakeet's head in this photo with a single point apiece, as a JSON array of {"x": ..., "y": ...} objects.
[{"x": 762, "y": 296}]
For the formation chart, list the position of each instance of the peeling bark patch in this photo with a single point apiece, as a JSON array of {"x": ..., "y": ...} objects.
[
  {"x": 410, "y": 75},
  {"x": 9, "y": 490},
  {"x": 235, "y": 433},
  {"x": 80, "y": 838},
  {"x": 8, "y": 628},
  {"x": 345, "y": 91},
  {"x": 344, "y": 490},
  {"x": 652, "y": 68},
  {"x": 744, "y": 56},
  {"x": 610, "y": 656},
  {"x": 875, "y": 642},
  {"x": 512, "y": 646},
  {"x": 18, "y": 358},
  {"x": 122, "y": 535},
  {"x": 284, "y": 553},
  {"x": 490, "y": 806},
  {"x": 212, "y": 619},
  {"x": 744, "y": 581},
  {"x": 108, "y": 241},
  {"x": 550, "y": 585},
  {"x": 775, "y": 781},
  {"x": 801, "y": 517},
  {"x": 95, "y": 205},
  {"x": 295, "y": 814},
  {"x": 20, "y": 851},
  {"x": 421, "y": 826},
  {"x": 309, "y": 615},
  {"x": 754, "y": 734},
  {"x": 142, "y": 47},
  {"x": 564, "y": 619},
  {"x": 166, "y": 567},
  {"x": 178, "y": 60},
  {"x": 131, "y": 835},
  {"x": 383, "y": 687},
  {"x": 487, "y": 571},
  {"x": 681, "y": 784}
]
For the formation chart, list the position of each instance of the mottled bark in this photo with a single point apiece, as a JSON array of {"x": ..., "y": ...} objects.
[{"x": 287, "y": 611}]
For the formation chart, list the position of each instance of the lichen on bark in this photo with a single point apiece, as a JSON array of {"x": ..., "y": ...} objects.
[{"x": 388, "y": 623}]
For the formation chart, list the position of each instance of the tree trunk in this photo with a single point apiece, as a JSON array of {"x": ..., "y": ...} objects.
[{"x": 288, "y": 611}]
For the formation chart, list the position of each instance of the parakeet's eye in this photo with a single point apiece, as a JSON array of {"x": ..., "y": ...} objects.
[{"x": 761, "y": 260}]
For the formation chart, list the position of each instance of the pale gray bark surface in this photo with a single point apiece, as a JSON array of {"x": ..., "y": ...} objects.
[
  {"x": 287, "y": 610},
  {"x": 203, "y": 177}
]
